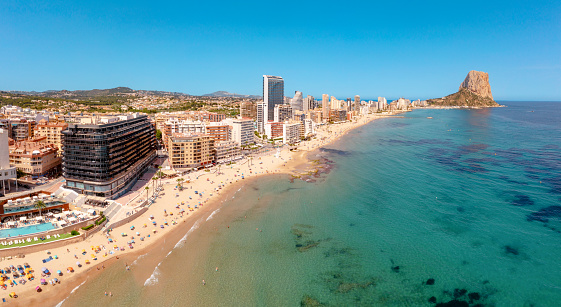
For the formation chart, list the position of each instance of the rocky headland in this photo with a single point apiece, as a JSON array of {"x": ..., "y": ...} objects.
[{"x": 474, "y": 92}]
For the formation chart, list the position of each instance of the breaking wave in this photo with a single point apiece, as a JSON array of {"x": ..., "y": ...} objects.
[
  {"x": 73, "y": 290},
  {"x": 212, "y": 214},
  {"x": 153, "y": 279}
]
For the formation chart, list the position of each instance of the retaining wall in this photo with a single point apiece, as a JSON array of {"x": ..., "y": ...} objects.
[
  {"x": 128, "y": 218},
  {"x": 22, "y": 250}
]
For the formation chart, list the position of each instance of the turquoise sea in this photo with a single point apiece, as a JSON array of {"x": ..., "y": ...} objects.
[{"x": 462, "y": 208}]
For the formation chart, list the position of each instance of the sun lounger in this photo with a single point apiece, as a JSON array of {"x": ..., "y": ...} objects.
[
  {"x": 35, "y": 239},
  {"x": 48, "y": 236}
]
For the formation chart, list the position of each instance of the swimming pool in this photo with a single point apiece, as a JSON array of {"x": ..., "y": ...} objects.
[{"x": 15, "y": 232}]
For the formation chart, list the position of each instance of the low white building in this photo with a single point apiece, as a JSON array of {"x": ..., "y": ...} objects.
[
  {"x": 309, "y": 128},
  {"x": 291, "y": 133},
  {"x": 242, "y": 130},
  {"x": 226, "y": 151}
]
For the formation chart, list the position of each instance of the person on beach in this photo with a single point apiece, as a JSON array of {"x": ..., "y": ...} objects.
[{"x": 204, "y": 282}]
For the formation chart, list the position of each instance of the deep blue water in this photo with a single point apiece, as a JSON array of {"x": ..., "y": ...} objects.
[{"x": 469, "y": 200}]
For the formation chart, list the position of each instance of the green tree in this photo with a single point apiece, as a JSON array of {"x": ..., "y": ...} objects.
[
  {"x": 159, "y": 134},
  {"x": 180, "y": 182},
  {"x": 40, "y": 205},
  {"x": 20, "y": 173}
]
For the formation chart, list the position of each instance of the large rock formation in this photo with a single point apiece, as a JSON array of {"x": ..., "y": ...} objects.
[
  {"x": 478, "y": 83},
  {"x": 474, "y": 92}
]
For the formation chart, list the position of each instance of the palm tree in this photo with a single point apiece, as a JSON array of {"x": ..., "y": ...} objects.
[
  {"x": 160, "y": 173},
  {"x": 147, "y": 188},
  {"x": 40, "y": 205},
  {"x": 180, "y": 183},
  {"x": 153, "y": 183}
]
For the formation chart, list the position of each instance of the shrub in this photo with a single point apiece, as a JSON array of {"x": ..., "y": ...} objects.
[
  {"x": 88, "y": 227},
  {"x": 74, "y": 232},
  {"x": 98, "y": 222}
]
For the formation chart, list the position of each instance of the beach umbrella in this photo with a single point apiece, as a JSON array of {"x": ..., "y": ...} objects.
[
  {"x": 138, "y": 233},
  {"x": 78, "y": 264},
  {"x": 154, "y": 230},
  {"x": 70, "y": 269},
  {"x": 27, "y": 270},
  {"x": 13, "y": 294},
  {"x": 44, "y": 269},
  {"x": 43, "y": 280},
  {"x": 154, "y": 222},
  {"x": 38, "y": 289},
  {"x": 26, "y": 265},
  {"x": 59, "y": 272}
]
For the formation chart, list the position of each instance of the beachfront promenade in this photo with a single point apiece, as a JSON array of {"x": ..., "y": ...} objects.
[{"x": 171, "y": 207}]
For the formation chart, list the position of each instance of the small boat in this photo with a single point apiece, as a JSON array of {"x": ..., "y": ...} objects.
[{"x": 430, "y": 117}]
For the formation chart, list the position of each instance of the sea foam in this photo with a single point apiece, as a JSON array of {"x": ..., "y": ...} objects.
[
  {"x": 212, "y": 214},
  {"x": 181, "y": 242},
  {"x": 153, "y": 279},
  {"x": 73, "y": 290}
]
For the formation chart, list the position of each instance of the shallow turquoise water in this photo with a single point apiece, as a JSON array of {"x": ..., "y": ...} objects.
[{"x": 469, "y": 198}]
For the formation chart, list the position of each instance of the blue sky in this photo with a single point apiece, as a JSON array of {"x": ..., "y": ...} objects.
[{"x": 421, "y": 49}]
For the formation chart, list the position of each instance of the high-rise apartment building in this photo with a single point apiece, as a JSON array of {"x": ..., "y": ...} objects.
[
  {"x": 325, "y": 106},
  {"x": 282, "y": 112},
  {"x": 261, "y": 117},
  {"x": 248, "y": 109},
  {"x": 7, "y": 172},
  {"x": 187, "y": 150},
  {"x": 218, "y": 131},
  {"x": 291, "y": 132},
  {"x": 242, "y": 131},
  {"x": 35, "y": 157},
  {"x": 273, "y": 93},
  {"x": 21, "y": 129},
  {"x": 103, "y": 156},
  {"x": 356, "y": 106},
  {"x": 53, "y": 133},
  {"x": 309, "y": 103}
]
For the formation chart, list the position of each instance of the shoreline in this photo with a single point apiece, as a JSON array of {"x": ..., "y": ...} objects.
[{"x": 288, "y": 163}]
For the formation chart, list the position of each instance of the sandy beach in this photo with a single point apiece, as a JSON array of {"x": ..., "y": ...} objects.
[{"x": 166, "y": 211}]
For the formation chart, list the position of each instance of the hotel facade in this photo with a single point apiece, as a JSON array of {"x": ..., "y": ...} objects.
[{"x": 103, "y": 156}]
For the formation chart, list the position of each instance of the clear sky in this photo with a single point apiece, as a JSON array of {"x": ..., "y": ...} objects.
[{"x": 416, "y": 49}]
